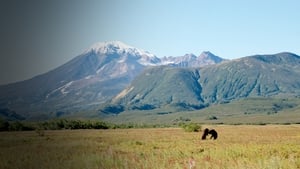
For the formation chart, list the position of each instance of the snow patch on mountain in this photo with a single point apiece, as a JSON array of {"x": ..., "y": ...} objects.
[
  {"x": 89, "y": 77},
  {"x": 191, "y": 60},
  {"x": 123, "y": 93},
  {"x": 126, "y": 52},
  {"x": 129, "y": 53},
  {"x": 62, "y": 89},
  {"x": 117, "y": 47}
]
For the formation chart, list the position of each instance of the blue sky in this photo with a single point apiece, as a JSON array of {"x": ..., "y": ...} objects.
[{"x": 39, "y": 35}]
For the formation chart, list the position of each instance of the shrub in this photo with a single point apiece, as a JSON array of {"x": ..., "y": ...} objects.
[
  {"x": 212, "y": 117},
  {"x": 18, "y": 126},
  {"x": 4, "y": 125},
  {"x": 191, "y": 127},
  {"x": 100, "y": 125}
]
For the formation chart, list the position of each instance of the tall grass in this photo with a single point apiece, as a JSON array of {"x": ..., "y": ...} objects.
[{"x": 257, "y": 147}]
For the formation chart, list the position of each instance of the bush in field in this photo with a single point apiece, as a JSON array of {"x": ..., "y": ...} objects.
[
  {"x": 73, "y": 124},
  {"x": 191, "y": 127},
  {"x": 100, "y": 125},
  {"x": 19, "y": 126},
  {"x": 60, "y": 124},
  {"x": 3, "y": 125},
  {"x": 212, "y": 117}
]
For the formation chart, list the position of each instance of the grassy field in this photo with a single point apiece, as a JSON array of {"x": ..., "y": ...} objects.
[{"x": 240, "y": 146}]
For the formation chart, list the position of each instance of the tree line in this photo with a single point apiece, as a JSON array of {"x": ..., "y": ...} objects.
[{"x": 60, "y": 124}]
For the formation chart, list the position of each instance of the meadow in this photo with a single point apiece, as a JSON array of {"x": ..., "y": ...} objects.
[{"x": 238, "y": 146}]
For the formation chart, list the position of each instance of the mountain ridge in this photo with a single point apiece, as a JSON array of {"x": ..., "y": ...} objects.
[
  {"x": 91, "y": 78},
  {"x": 253, "y": 76},
  {"x": 112, "y": 77}
]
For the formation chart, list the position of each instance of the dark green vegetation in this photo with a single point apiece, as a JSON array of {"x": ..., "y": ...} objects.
[
  {"x": 54, "y": 125},
  {"x": 62, "y": 124},
  {"x": 191, "y": 127}
]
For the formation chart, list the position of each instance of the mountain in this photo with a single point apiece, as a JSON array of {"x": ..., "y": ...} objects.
[
  {"x": 191, "y": 60},
  {"x": 160, "y": 86},
  {"x": 196, "y": 88},
  {"x": 259, "y": 75},
  {"x": 91, "y": 78}
]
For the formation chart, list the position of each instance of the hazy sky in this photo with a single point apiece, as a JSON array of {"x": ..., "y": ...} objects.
[{"x": 40, "y": 35}]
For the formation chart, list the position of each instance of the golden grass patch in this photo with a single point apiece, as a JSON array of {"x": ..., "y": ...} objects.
[{"x": 241, "y": 146}]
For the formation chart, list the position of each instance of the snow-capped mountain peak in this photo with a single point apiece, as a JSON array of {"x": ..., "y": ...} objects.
[
  {"x": 104, "y": 47},
  {"x": 119, "y": 47},
  {"x": 126, "y": 52},
  {"x": 191, "y": 60}
]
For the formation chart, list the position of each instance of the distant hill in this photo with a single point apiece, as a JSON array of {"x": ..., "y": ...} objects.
[
  {"x": 88, "y": 80},
  {"x": 259, "y": 75},
  {"x": 196, "y": 88},
  {"x": 191, "y": 60},
  {"x": 161, "y": 86}
]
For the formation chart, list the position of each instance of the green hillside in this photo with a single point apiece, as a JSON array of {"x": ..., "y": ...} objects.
[
  {"x": 257, "y": 110},
  {"x": 161, "y": 86},
  {"x": 197, "y": 88},
  {"x": 260, "y": 75}
]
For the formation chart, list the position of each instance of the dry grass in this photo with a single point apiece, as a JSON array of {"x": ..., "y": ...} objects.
[{"x": 257, "y": 147}]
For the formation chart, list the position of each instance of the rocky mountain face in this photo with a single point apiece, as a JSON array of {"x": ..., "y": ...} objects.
[
  {"x": 92, "y": 78},
  {"x": 195, "y": 88},
  {"x": 191, "y": 60}
]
